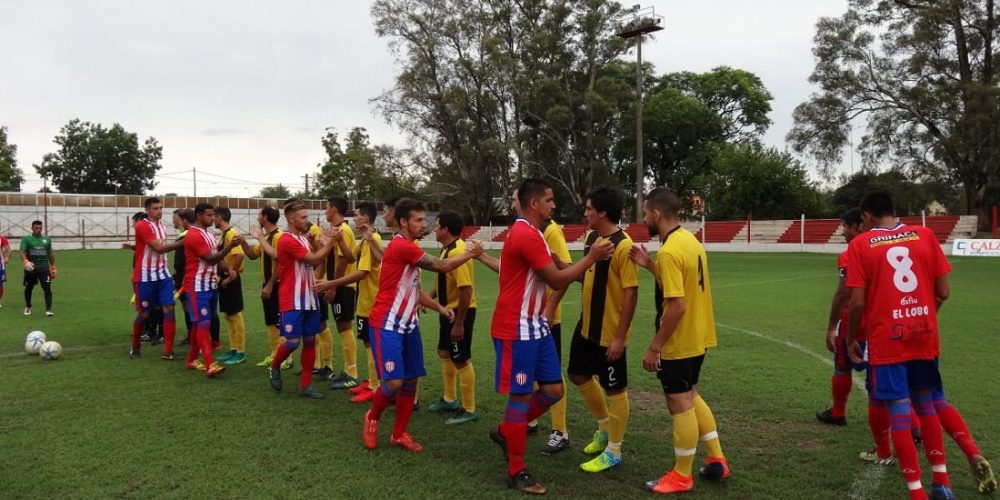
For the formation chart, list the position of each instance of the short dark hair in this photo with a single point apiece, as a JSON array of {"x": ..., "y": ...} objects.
[
  {"x": 294, "y": 205},
  {"x": 150, "y": 201},
  {"x": 271, "y": 214},
  {"x": 452, "y": 222},
  {"x": 852, "y": 217},
  {"x": 201, "y": 207},
  {"x": 404, "y": 207},
  {"x": 878, "y": 202},
  {"x": 138, "y": 216},
  {"x": 186, "y": 214},
  {"x": 368, "y": 210},
  {"x": 531, "y": 188},
  {"x": 607, "y": 200},
  {"x": 664, "y": 200},
  {"x": 338, "y": 202},
  {"x": 36, "y": 223},
  {"x": 392, "y": 201},
  {"x": 225, "y": 213}
]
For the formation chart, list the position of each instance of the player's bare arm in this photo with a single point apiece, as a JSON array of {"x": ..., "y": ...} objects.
[
  {"x": 317, "y": 257},
  {"x": 249, "y": 251},
  {"x": 556, "y": 278},
  {"x": 458, "y": 325},
  {"x": 431, "y": 263},
  {"x": 942, "y": 290},
  {"x": 640, "y": 256},
  {"x": 490, "y": 261},
  {"x": 630, "y": 297},
  {"x": 354, "y": 277},
  {"x": 840, "y": 299},
  {"x": 346, "y": 253},
  {"x": 429, "y": 303},
  {"x": 268, "y": 289},
  {"x": 553, "y": 303},
  {"x": 265, "y": 247},
  {"x": 164, "y": 246},
  {"x": 857, "y": 311},
  {"x": 672, "y": 315}
]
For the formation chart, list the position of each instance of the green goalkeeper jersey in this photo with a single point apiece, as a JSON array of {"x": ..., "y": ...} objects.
[{"x": 37, "y": 248}]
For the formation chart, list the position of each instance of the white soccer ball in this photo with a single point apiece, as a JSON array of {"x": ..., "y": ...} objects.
[
  {"x": 50, "y": 350},
  {"x": 33, "y": 342}
]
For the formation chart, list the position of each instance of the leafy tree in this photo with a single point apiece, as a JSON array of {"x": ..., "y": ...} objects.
[
  {"x": 335, "y": 175},
  {"x": 909, "y": 196},
  {"x": 922, "y": 76},
  {"x": 11, "y": 177},
  {"x": 99, "y": 160},
  {"x": 279, "y": 191}
]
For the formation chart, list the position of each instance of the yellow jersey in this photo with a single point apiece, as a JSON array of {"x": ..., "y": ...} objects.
[
  {"x": 603, "y": 284},
  {"x": 336, "y": 254},
  {"x": 268, "y": 266},
  {"x": 556, "y": 241},
  {"x": 368, "y": 287},
  {"x": 230, "y": 258},
  {"x": 448, "y": 284},
  {"x": 682, "y": 271}
]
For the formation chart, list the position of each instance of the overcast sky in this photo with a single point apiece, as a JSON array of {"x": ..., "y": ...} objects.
[{"x": 243, "y": 89}]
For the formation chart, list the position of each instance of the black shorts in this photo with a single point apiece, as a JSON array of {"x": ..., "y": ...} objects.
[
  {"x": 31, "y": 278},
  {"x": 679, "y": 375},
  {"x": 231, "y": 297},
  {"x": 362, "y": 322},
  {"x": 461, "y": 351},
  {"x": 343, "y": 306},
  {"x": 271, "y": 313},
  {"x": 556, "y": 331},
  {"x": 591, "y": 358}
]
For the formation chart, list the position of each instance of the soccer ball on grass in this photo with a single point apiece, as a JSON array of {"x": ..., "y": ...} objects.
[
  {"x": 33, "y": 342},
  {"x": 50, "y": 350}
]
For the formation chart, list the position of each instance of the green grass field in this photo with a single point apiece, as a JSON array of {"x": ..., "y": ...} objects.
[{"x": 96, "y": 424}]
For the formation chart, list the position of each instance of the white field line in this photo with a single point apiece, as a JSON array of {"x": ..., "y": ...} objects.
[{"x": 782, "y": 280}]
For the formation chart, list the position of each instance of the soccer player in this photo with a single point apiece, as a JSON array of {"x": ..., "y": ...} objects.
[
  {"x": 203, "y": 260},
  {"x": 231, "y": 295},
  {"x": 898, "y": 278},
  {"x": 395, "y": 325},
  {"x": 298, "y": 304},
  {"x": 341, "y": 299},
  {"x": 5, "y": 252},
  {"x": 525, "y": 351},
  {"x": 154, "y": 287},
  {"x": 685, "y": 325},
  {"x": 183, "y": 220},
  {"x": 610, "y": 292},
  {"x": 456, "y": 291},
  {"x": 39, "y": 266},
  {"x": 267, "y": 233},
  {"x": 367, "y": 276}
]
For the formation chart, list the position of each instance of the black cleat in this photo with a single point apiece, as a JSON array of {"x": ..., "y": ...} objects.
[
  {"x": 134, "y": 353},
  {"x": 275, "y": 379},
  {"x": 826, "y": 416},
  {"x": 524, "y": 482},
  {"x": 498, "y": 438}
]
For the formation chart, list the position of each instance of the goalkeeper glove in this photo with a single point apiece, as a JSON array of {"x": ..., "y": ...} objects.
[{"x": 29, "y": 266}]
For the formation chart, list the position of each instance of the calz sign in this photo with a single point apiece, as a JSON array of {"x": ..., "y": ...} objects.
[{"x": 976, "y": 248}]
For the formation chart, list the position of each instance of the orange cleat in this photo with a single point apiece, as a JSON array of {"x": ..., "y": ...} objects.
[
  {"x": 214, "y": 370},
  {"x": 671, "y": 482},
  {"x": 363, "y": 397},
  {"x": 195, "y": 365},
  {"x": 362, "y": 387},
  {"x": 406, "y": 442},
  {"x": 369, "y": 434}
]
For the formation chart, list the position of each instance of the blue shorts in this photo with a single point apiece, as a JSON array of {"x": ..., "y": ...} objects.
[
  {"x": 296, "y": 324},
  {"x": 520, "y": 363},
  {"x": 899, "y": 380},
  {"x": 150, "y": 295},
  {"x": 3, "y": 276},
  {"x": 841, "y": 361},
  {"x": 201, "y": 306},
  {"x": 398, "y": 356}
]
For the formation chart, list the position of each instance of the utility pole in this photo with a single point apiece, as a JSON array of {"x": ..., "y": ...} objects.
[
  {"x": 194, "y": 179},
  {"x": 307, "y": 184}
]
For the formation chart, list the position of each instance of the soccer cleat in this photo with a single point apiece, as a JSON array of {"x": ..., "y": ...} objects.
[
  {"x": 214, "y": 370},
  {"x": 27, "y": 311},
  {"x": 362, "y": 387},
  {"x": 287, "y": 364},
  {"x": 406, "y": 442},
  {"x": 195, "y": 365},
  {"x": 236, "y": 359},
  {"x": 168, "y": 356},
  {"x": 462, "y": 417},
  {"x": 134, "y": 353},
  {"x": 941, "y": 492},
  {"x": 917, "y": 440},
  {"x": 873, "y": 458},
  {"x": 345, "y": 382},
  {"x": 275, "y": 379},
  {"x": 671, "y": 482},
  {"x": 50, "y": 313},
  {"x": 525, "y": 483},
  {"x": 363, "y": 397},
  {"x": 442, "y": 405},
  {"x": 309, "y": 392},
  {"x": 266, "y": 362},
  {"x": 602, "y": 462},
  {"x": 986, "y": 483},
  {"x": 498, "y": 438},
  {"x": 369, "y": 433},
  {"x": 598, "y": 444},
  {"x": 324, "y": 373},
  {"x": 826, "y": 416},
  {"x": 557, "y": 442},
  {"x": 532, "y": 428},
  {"x": 144, "y": 338},
  {"x": 226, "y": 356},
  {"x": 715, "y": 469}
]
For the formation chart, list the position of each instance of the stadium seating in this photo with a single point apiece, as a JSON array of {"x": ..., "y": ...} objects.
[
  {"x": 816, "y": 231},
  {"x": 942, "y": 225},
  {"x": 574, "y": 232},
  {"x": 469, "y": 231},
  {"x": 721, "y": 231},
  {"x": 638, "y": 232}
]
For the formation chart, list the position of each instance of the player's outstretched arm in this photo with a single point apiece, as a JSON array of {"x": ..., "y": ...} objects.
[
  {"x": 212, "y": 259},
  {"x": 840, "y": 299},
  {"x": 426, "y": 301},
  {"x": 490, "y": 261},
  {"x": 354, "y": 277},
  {"x": 640, "y": 256},
  {"x": 561, "y": 278},
  {"x": 318, "y": 256},
  {"x": 252, "y": 252},
  {"x": 430, "y": 263}
]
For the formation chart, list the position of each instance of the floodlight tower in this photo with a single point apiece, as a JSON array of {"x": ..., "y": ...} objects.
[{"x": 639, "y": 21}]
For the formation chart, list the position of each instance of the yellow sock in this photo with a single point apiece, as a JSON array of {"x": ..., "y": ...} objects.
[
  {"x": 467, "y": 381},
  {"x": 707, "y": 429},
  {"x": 618, "y": 410},
  {"x": 593, "y": 397},
  {"x": 558, "y": 412},
  {"x": 448, "y": 374},
  {"x": 349, "y": 346},
  {"x": 240, "y": 342},
  {"x": 273, "y": 340},
  {"x": 685, "y": 441},
  {"x": 372, "y": 373},
  {"x": 324, "y": 344},
  {"x": 230, "y": 330}
]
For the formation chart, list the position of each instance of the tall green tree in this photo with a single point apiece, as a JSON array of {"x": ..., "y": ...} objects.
[
  {"x": 99, "y": 160},
  {"x": 335, "y": 176},
  {"x": 922, "y": 76},
  {"x": 279, "y": 191},
  {"x": 11, "y": 176}
]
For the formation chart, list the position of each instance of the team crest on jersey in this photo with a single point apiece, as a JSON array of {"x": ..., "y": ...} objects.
[
  {"x": 390, "y": 366},
  {"x": 289, "y": 328},
  {"x": 521, "y": 378},
  {"x": 204, "y": 311},
  {"x": 145, "y": 303}
]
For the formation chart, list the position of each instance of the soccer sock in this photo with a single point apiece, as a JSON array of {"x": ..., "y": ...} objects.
[
  {"x": 558, "y": 412},
  {"x": 841, "y": 383},
  {"x": 231, "y": 330},
  {"x": 204, "y": 343},
  {"x": 27, "y": 295},
  {"x": 169, "y": 331},
  {"x": 541, "y": 401},
  {"x": 685, "y": 441},
  {"x": 284, "y": 351},
  {"x": 954, "y": 424},
  {"x": 933, "y": 437},
  {"x": 325, "y": 342},
  {"x": 349, "y": 346},
  {"x": 404, "y": 407},
  {"x": 373, "y": 382},
  {"x": 308, "y": 357},
  {"x": 467, "y": 382},
  {"x": 914, "y": 419},
  {"x": 618, "y": 411},
  {"x": 192, "y": 344},
  {"x": 707, "y": 428},
  {"x": 514, "y": 430},
  {"x": 593, "y": 397},
  {"x": 213, "y": 330},
  {"x": 906, "y": 451},
  {"x": 383, "y": 396},
  {"x": 47, "y": 291},
  {"x": 878, "y": 423},
  {"x": 240, "y": 343},
  {"x": 137, "y": 326},
  {"x": 448, "y": 375},
  {"x": 272, "y": 338}
]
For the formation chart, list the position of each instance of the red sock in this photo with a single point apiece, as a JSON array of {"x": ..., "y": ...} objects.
[
  {"x": 841, "y": 384},
  {"x": 541, "y": 401},
  {"x": 137, "y": 325},
  {"x": 404, "y": 407},
  {"x": 915, "y": 420},
  {"x": 169, "y": 330},
  {"x": 514, "y": 430},
  {"x": 307, "y": 359},
  {"x": 383, "y": 397},
  {"x": 906, "y": 451},
  {"x": 204, "y": 343},
  {"x": 954, "y": 424},
  {"x": 192, "y": 344},
  {"x": 878, "y": 423},
  {"x": 284, "y": 351},
  {"x": 933, "y": 438}
]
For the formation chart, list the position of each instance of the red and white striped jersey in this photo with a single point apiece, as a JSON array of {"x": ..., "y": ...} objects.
[
  {"x": 395, "y": 306},
  {"x": 199, "y": 276},
  {"x": 295, "y": 277},
  {"x": 520, "y": 311},
  {"x": 4, "y": 244},
  {"x": 149, "y": 264}
]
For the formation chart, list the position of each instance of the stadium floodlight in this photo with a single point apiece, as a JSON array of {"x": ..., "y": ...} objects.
[{"x": 637, "y": 22}]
